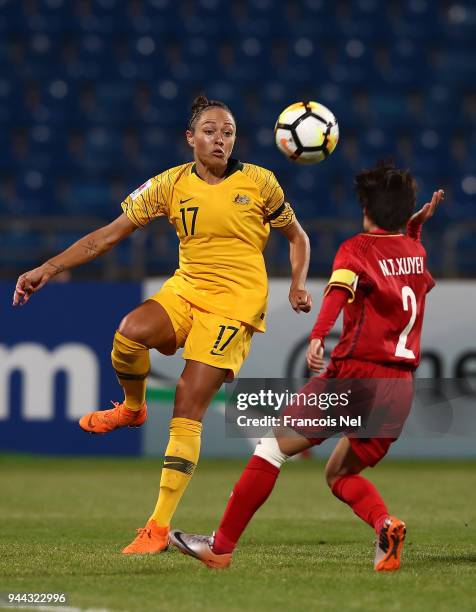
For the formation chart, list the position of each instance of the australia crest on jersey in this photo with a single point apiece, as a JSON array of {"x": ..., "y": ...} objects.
[{"x": 241, "y": 199}]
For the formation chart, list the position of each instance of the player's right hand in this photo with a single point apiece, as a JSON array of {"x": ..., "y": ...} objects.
[
  {"x": 427, "y": 210},
  {"x": 315, "y": 355},
  {"x": 28, "y": 283}
]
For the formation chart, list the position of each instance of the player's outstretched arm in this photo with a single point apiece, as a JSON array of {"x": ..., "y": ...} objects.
[
  {"x": 299, "y": 253},
  {"x": 332, "y": 304},
  {"x": 426, "y": 212},
  {"x": 85, "y": 249}
]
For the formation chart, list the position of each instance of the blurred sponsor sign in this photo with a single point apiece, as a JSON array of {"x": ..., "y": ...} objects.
[{"x": 55, "y": 366}]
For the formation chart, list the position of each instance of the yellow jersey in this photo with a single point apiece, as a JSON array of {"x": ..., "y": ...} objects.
[{"x": 222, "y": 230}]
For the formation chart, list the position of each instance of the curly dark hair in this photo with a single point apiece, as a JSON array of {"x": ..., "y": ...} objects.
[
  {"x": 202, "y": 103},
  {"x": 387, "y": 195}
]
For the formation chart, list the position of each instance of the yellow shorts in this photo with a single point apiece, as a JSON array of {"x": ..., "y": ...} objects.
[{"x": 205, "y": 336}]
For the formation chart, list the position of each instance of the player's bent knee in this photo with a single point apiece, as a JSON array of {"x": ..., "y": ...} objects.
[
  {"x": 268, "y": 449},
  {"x": 134, "y": 330}
]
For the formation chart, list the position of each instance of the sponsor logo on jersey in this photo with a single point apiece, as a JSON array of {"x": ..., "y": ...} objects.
[
  {"x": 135, "y": 194},
  {"x": 241, "y": 199}
]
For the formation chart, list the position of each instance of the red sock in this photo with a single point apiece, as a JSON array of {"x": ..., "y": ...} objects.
[
  {"x": 249, "y": 493},
  {"x": 364, "y": 499}
]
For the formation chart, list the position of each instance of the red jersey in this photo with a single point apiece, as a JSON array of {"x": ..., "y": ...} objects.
[{"x": 388, "y": 280}]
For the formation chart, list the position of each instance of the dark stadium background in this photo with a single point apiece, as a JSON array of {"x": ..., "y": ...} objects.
[{"x": 95, "y": 97}]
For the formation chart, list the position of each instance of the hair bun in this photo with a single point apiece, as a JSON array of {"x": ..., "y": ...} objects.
[
  {"x": 202, "y": 103},
  {"x": 199, "y": 103}
]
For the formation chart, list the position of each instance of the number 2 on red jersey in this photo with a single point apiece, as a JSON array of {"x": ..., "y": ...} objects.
[{"x": 409, "y": 301}]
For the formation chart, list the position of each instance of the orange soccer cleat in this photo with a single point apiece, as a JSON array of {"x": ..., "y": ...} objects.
[
  {"x": 150, "y": 540},
  {"x": 390, "y": 545},
  {"x": 103, "y": 421}
]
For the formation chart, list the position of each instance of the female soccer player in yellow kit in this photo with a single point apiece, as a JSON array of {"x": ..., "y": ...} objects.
[{"x": 222, "y": 210}]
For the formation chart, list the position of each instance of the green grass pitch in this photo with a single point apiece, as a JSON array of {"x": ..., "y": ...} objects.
[{"x": 64, "y": 522}]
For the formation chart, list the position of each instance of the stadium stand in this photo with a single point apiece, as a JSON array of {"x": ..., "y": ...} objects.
[{"x": 94, "y": 98}]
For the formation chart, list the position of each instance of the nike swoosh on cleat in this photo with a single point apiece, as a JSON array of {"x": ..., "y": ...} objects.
[
  {"x": 187, "y": 200},
  {"x": 177, "y": 536},
  {"x": 90, "y": 422}
]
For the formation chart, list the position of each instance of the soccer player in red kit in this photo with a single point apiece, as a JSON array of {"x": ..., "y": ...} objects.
[{"x": 380, "y": 281}]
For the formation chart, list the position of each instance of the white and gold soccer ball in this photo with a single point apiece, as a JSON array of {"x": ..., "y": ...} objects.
[{"x": 306, "y": 132}]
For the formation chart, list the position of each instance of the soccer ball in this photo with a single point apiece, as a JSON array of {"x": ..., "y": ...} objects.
[{"x": 306, "y": 132}]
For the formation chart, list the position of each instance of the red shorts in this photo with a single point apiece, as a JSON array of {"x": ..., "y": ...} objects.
[{"x": 382, "y": 398}]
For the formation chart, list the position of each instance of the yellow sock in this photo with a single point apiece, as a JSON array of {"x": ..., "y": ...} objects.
[
  {"x": 181, "y": 457},
  {"x": 131, "y": 362}
]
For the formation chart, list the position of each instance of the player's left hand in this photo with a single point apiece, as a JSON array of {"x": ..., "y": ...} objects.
[
  {"x": 427, "y": 210},
  {"x": 315, "y": 356},
  {"x": 300, "y": 299}
]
